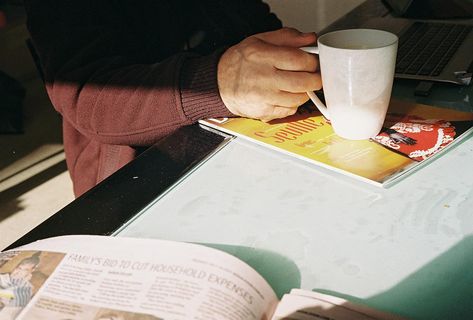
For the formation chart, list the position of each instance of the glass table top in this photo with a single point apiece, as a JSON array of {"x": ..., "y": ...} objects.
[{"x": 387, "y": 247}]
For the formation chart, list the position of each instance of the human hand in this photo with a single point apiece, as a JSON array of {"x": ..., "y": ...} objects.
[{"x": 266, "y": 76}]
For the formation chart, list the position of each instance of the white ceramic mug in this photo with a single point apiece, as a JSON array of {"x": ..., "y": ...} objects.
[{"x": 357, "y": 67}]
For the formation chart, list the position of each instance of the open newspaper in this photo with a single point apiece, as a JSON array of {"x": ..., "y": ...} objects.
[
  {"x": 412, "y": 135},
  {"x": 104, "y": 278}
]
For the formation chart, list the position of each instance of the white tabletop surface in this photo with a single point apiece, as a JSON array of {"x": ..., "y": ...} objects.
[{"x": 343, "y": 235}]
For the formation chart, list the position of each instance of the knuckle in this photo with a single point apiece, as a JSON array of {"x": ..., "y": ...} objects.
[
  {"x": 290, "y": 31},
  {"x": 291, "y": 111},
  {"x": 299, "y": 100},
  {"x": 309, "y": 82},
  {"x": 266, "y": 110},
  {"x": 258, "y": 111},
  {"x": 265, "y": 113},
  {"x": 254, "y": 97},
  {"x": 252, "y": 50},
  {"x": 283, "y": 112},
  {"x": 302, "y": 61},
  {"x": 301, "y": 84},
  {"x": 317, "y": 81},
  {"x": 251, "y": 40},
  {"x": 307, "y": 62},
  {"x": 312, "y": 64},
  {"x": 303, "y": 99}
]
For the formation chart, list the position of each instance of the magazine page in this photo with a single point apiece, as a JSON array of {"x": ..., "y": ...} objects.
[
  {"x": 412, "y": 135},
  {"x": 308, "y": 305},
  {"x": 98, "y": 278}
]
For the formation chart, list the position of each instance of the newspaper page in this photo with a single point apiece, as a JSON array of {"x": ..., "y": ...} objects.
[
  {"x": 104, "y": 278},
  {"x": 309, "y": 305}
]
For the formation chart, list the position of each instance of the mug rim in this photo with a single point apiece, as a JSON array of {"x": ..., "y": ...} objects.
[{"x": 395, "y": 38}]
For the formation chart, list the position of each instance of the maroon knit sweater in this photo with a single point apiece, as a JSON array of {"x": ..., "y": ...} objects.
[{"x": 122, "y": 75}]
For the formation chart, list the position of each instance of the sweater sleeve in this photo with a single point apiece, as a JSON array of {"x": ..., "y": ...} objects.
[{"x": 99, "y": 78}]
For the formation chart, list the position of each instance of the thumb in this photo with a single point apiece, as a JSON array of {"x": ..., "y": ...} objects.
[{"x": 288, "y": 37}]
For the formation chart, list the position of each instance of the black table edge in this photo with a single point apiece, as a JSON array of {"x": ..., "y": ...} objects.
[{"x": 108, "y": 206}]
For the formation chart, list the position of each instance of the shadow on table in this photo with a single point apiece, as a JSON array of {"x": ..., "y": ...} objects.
[
  {"x": 10, "y": 199},
  {"x": 442, "y": 289},
  {"x": 280, "y": 272}
]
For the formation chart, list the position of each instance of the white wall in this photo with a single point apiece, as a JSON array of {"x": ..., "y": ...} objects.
[{"x": 310, "y": 15}]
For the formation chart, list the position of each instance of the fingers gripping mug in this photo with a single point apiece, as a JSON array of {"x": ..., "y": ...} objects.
[{"x": 357, "y": 67}]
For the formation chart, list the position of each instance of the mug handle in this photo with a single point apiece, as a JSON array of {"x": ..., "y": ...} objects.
[{"x": 319, "y": 104}]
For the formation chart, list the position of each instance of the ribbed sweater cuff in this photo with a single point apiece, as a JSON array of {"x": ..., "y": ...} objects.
[{"x": 199, "y": 88}]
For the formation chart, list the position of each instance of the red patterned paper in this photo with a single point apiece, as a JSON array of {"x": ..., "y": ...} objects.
[{"x": 417, "y": 138}]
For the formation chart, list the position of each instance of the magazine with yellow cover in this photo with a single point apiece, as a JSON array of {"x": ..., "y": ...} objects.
[{"x": 412, "y": 135}]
